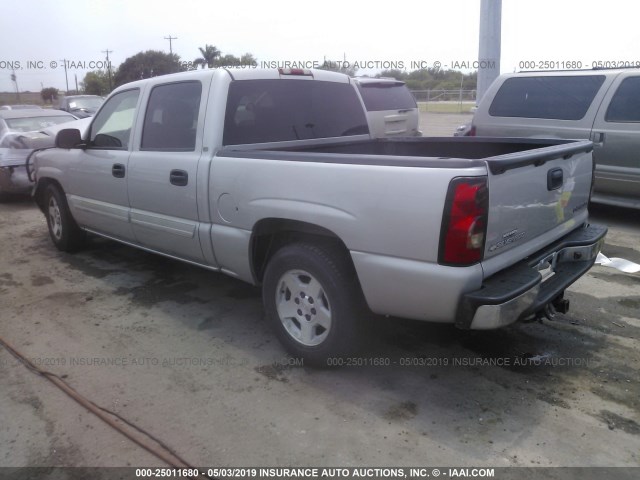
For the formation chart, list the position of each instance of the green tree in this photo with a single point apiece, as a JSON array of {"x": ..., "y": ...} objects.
[
  {"x": 394, "y": 73},
  {"x": 210, "y": 55},
  {"x": 227, "y": 61},
  {"x": 232, "y": 61},
  {"x": 49, "y": 94},
  {"x": 248, "y": 59},
  {"x": 434, "y": 79},
  {"x": 151, "y": 63},
  {"x": 96, "y": 83}
]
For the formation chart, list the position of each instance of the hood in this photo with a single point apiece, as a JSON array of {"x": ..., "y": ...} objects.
[{"x": 83, "y": 112}]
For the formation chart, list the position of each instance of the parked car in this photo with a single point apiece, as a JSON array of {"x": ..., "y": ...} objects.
[
  {"x": 20, "y": 107},
  {"x": 392, "y": 110},
  {"x": 15, "y": 147},
  {"x": 28, "y": 120},
  {"x": 272, "y": 177},
  {"x": 44, "y": 137},
  {"x": 601, "y": 105},
  {"x": 81, "y": 105}
]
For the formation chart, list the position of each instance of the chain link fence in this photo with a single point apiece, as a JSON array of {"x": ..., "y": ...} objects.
[
  {"x": 445, "y": 101},
  {"x": 444, "y": 95}
]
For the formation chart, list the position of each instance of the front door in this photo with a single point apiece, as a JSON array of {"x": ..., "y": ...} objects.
[{"x": 98, "y": 175}]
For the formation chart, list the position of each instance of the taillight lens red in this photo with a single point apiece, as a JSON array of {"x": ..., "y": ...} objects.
[
  {"x": 464, "y": 223},
  {"x": 471, "y": 132}
]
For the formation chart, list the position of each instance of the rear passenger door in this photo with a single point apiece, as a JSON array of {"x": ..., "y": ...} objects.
[
  {"x": 162, "y": 171},
  {"x": 616, "y": 137}
]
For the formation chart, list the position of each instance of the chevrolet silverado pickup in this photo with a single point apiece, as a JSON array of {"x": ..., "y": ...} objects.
[{"x": 271, "y": 177}]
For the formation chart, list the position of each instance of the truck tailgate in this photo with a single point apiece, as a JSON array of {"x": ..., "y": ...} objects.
[{"x": 535, "y": 197}]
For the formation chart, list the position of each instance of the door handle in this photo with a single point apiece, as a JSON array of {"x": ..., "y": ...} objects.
[
  {"x": 180, "y": 178},
  {"x": 598, "y": 138},
  {"x": 554, "y": 179},
  {"x": 118, "y": 170}
]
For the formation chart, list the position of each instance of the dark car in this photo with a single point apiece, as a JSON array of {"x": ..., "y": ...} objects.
[{"x": 81, "y": 106}]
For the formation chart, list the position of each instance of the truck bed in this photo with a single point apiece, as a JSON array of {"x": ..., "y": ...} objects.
[
  {"x": 549, "y": 179},
  {"x": 501, "y": 154}
]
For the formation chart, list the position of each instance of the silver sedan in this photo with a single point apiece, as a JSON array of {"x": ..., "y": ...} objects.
[{"x": 21, "y": 131}]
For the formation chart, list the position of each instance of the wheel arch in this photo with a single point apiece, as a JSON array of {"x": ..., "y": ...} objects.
[
  {"x": 41, "y": 186},
  {"x": 271, "y": 234}
]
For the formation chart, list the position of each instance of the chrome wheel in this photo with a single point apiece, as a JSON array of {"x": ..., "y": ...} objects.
[
  {"x": 303, "y": 307},
  {"x": 54, "y": 218}
]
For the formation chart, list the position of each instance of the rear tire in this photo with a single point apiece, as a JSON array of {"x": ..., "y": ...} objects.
[
  {"x": 312, "y": 297},
  {"x": 63, "y": 229}
]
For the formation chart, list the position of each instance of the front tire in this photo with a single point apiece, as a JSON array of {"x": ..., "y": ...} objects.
[
  {"x": 313, "y": 299},
  {"x": 63, "y": 229}
]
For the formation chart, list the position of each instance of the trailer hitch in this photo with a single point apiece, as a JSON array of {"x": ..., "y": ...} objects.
[{"x": 558, "y": 305}]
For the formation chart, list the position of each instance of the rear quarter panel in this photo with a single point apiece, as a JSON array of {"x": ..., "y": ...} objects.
[
  {"x": 387, "y": 210},
  {"x": 388, "y": 217}
]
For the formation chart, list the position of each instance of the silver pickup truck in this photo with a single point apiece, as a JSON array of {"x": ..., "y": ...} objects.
[{"x": 271, "y": 177}]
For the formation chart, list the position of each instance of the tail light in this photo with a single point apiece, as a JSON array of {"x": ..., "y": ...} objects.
[
  {"x": 471, "y": 132},
  {"x": 464, "y": 222}
]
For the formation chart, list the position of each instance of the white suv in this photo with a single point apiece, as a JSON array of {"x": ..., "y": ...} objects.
[{"x": 392, "y": 110}]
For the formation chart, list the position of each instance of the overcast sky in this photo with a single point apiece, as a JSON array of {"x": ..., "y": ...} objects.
[{"x": 45, "y": 32}]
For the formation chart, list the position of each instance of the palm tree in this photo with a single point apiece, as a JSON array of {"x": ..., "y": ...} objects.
[{"x": 209, "y": 56}]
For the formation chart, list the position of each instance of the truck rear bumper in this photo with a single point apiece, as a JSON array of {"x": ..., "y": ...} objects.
[{"x": 528, "y": 287}]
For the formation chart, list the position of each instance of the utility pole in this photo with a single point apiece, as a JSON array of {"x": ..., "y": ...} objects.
[
  {"x": 65, "y": 74},
  {"x": 170, "y": 38},
  {"x": 76, "y": 76},
  {"x": 14, "y": 79},
  {"x": 107, "y": 51},
  {"x": 490, "y": 40}
]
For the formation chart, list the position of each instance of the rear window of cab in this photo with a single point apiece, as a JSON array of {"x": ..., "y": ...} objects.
[
  {"x": 262, "y": 111},
  {"x": 552, "y": 97}
]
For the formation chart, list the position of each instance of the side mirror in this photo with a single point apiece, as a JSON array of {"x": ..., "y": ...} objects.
[{"x": 68, "y": 138}]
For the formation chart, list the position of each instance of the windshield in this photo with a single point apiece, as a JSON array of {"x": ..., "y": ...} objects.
[
  {"x": 91, "y": 102},
  {"x": 29, "y": 124}
]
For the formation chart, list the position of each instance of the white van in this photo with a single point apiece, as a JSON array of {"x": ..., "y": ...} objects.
[
  {"x": 392, "y": 110},
  {"x": 601, "y": 105}
]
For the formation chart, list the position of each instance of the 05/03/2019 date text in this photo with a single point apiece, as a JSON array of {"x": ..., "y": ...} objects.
[{"x": 387, "y": 362}]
